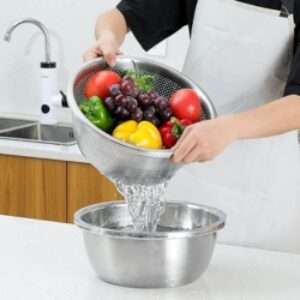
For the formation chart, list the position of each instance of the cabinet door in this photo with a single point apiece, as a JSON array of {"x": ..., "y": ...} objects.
[
  {"x": 33, "y": 188},
  {"x": 87, "y": 186}
]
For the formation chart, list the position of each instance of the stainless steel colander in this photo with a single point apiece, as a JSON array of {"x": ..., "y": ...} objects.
[{"x": 118, "y": 160}]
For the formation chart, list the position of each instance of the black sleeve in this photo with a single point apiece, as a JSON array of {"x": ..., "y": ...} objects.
[
  {"x": 293, "y": 84},
  {"x": 151, "y": 21}
]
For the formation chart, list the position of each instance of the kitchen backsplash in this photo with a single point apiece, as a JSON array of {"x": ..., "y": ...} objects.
[{"x": 71, "y": 24}]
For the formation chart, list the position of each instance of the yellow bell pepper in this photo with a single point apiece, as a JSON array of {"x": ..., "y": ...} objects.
[
  {"x": 124, "y": 130},
  {"x": 143, "y": 134}
]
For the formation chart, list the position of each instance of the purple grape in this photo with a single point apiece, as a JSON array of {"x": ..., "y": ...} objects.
[
  {"x": 124, "y": 114},
  {"x": 151, "y": 109},
  {"x": 127, "y": 87},
  {"x": 124, "y": 102},
  {"x": 135, "y": 92},
  {"x": 166, "y": 114},
  {"x": 110, "y": 103},
  {"x": 156, "y": 101},
  {"x": 119, "y": 100},
  {"x": 153, "y": 95},
  {"x": 148, "y": 114},
  {"x": 115, "y": 90},
  {"x": 161, "y": 103},
  {"x": 137, "y": 115},
  {"x": 132, "y": 104},
  {"x": 144, "y": 100},
  {"x": 118, "y": 111},
  {"x": 132, "y": 99},
  {"x": 155, "y": 120}
]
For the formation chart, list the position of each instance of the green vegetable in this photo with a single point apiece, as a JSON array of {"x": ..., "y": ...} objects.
[
  {"x": 143, "y": 82},
  {"x": 95, "y": 110}
]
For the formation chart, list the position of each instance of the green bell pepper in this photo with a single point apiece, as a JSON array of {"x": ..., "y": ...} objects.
[{"x": 97, "y": 113}]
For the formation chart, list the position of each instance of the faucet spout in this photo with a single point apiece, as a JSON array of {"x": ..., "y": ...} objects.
[
  {"x": 7, "y": 37},
  {"x": 40, "y": 25}
]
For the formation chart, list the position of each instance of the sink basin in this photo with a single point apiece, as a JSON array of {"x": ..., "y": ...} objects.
[
  {"x": 6, "y": 123},
  {"x": 35, "y": 132}
]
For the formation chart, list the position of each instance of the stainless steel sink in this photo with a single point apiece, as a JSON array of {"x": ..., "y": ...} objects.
[
  {"x": 32, "y": 131},
  {"x": 6, "y": 123}
]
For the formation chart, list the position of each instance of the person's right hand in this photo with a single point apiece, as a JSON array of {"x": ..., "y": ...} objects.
[{"x": 106, "y": 46}]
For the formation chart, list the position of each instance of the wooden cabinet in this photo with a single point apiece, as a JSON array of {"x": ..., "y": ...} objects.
[
  {"x": 50, "y": 190},
  {"x": 33, "y": 188},
  {"x": 86, "y": 186}
]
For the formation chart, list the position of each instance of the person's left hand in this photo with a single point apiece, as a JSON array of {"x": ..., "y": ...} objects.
[{"x": 205, "y": 140}]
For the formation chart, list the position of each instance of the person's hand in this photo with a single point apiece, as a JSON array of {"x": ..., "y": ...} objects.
[
  {"x": 106, "y": 46},
  {"x": 205, "y": 140}
]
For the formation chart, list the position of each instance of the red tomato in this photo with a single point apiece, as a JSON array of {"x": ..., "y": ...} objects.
[
  {"x": 99, "y": 83},
  {"x": 186, "y": 104}
]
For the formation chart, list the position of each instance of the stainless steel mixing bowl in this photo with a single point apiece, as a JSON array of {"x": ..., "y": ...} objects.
[
  {"x": 118, "y": 160},
  {"x": 176, "y": 254}
]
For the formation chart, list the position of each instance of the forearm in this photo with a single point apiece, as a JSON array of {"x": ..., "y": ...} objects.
[
  {"x": 271, "y": 119},
  {"x": 111, "y": 24}
]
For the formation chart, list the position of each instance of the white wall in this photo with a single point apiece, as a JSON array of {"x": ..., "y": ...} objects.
[{"x": 71, "y": 23}]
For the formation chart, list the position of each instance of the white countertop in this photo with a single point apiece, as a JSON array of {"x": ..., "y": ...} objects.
[
  {"x": 43, "y": 151},
  {"x": 43, "y": 260}
]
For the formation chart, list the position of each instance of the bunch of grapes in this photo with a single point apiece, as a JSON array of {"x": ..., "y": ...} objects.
[{"x": 128, "y": 102}]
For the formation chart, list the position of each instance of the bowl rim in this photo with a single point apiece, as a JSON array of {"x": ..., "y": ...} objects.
[
  {"x": 160, "y": 153},
  {"x": 116, "y": 233}
]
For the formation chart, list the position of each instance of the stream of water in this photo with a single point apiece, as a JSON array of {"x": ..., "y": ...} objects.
[{"x": 145, "y": 204}]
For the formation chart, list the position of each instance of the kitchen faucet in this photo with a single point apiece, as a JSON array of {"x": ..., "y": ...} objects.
[{"x": 51, "y": 96}]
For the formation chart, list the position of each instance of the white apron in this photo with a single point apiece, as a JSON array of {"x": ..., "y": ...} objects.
[{"x": 240, "y": 54}]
